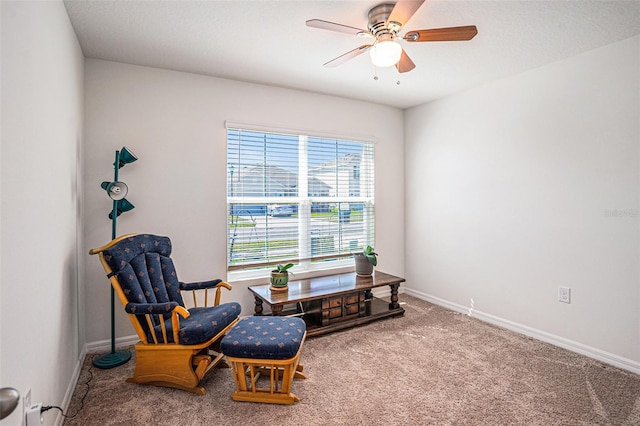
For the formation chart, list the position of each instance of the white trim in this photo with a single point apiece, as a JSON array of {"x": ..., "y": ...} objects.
[
  {"x": 591, "y": 352},
  {"x": 70, "y": 388},
  {"x": 261, "y": 276},
  {"x": 105, "y": 345},
  {"x": 93, "y": 347},
  {"x": 229, "y": 124},
  {"x": 384, "y": 292}
]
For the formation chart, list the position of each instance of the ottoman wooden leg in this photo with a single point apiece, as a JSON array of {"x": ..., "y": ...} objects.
[
  {"x": 280, "y": 373},
  {"x": 256, "y": 348}
]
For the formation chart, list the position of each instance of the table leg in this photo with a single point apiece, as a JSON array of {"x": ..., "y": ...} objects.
[
  {"x": 276, "y": 310},
  {"x": 258, "y": 308},
  {"x": 394, "y": 296},
  {"x": 368, "y": 295}
]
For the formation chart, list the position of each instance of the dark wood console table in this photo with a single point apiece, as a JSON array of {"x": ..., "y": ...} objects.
[{"x": 332, "y": 302}]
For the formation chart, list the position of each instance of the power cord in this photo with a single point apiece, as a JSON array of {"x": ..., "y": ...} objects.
[
  {"x": 49, "y": 407},
  {"x": 66, "y": 416}
]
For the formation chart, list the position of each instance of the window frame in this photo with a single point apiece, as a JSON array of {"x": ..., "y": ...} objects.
[{"x": 305, "y": 266}]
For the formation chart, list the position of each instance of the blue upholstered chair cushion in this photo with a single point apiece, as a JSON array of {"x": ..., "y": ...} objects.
[
  {"x": 264, "y": 337},
  {"x": 204, "y": 323},
  {"x": 148, "y": 279},
  {"x": 145, "y": 269}
]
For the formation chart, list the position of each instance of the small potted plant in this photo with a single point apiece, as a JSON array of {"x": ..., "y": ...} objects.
[
  {"x": 280, "y": 277},
  {"x": 365, "y": 261}
]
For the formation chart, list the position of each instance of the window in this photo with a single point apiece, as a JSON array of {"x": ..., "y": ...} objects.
[{"x": 297, "y": 198}]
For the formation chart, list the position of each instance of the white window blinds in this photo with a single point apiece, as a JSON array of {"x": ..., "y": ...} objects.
[{"x": 297, "y": 198}]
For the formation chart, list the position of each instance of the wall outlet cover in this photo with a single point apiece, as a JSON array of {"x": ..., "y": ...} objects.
[{"x": 33, "y": 415}]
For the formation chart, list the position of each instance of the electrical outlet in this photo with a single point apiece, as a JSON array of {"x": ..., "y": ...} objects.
[
  {"x": 564, "y": 294},
  {"x": 33, "y": 416}
]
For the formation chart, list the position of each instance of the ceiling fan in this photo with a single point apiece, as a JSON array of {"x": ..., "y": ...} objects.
[{"x": 385, "y": 22}]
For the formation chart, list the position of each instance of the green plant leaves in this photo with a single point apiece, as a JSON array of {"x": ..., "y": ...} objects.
[
  {"x": 283, "y": 268},
  {"x": 370, "y": 255}
]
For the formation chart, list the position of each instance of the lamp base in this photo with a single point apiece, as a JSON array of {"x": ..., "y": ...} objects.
[{"x": 112, "y": 359}]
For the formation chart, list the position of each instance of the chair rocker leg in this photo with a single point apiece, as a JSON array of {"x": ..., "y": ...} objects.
[{"x": 180, "y": 368}]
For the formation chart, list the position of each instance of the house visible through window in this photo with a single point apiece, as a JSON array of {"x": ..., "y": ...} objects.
[{"x": 297, "y": 198}]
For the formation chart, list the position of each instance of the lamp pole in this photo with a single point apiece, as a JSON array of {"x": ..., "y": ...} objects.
[{"x": 113, "y": 358}]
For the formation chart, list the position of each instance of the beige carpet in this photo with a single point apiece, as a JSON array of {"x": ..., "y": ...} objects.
[{"x": 430, "y": 367}]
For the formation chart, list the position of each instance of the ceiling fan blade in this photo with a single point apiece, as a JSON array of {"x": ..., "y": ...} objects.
[
  {"x": 403, "y": 11},
  {"x": 349, "y": 55},
  {"x": 405, "y": 64},
  {"x": 442, "y": 34},
  {"x": 332, "y": 26}
]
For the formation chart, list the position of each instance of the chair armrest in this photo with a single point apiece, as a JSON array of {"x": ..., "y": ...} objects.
[
  {"x": 150, "y": 308},
  {"x": 199, "y": 285},
  {"x": 206, "y": 285},
  {"x": 220, "y": 286}
]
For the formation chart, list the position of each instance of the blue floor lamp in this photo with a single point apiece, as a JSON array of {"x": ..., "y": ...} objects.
[{"x": 117, "y": 191}]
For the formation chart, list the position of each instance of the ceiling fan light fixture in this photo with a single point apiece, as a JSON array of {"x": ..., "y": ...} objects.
[
  {"x": 384, "y": 24},
  {"x": 385, "y": 53}
]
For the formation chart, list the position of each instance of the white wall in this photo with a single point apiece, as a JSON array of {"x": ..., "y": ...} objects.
[
  {"x": 42, "y": 109},
  {"x": 530, "y": 183},
  {"x": 174, "y": 123}
]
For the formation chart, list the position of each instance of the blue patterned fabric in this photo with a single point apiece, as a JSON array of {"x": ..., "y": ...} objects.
[
  {"x": 203, "y": 323},
  {"x": 144, "y": 269},
  {"x": 199, "y": 285},
  {"x": 148, "y": 279},
  {"x": 150, "y": 308},
  {"x": 264, "y": 337}
]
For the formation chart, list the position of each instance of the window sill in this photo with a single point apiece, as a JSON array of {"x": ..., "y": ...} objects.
[{"x": 262, "y": 277}]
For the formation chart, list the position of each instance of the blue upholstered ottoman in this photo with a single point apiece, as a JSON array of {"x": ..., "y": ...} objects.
[{"x": 260, "y": 345}]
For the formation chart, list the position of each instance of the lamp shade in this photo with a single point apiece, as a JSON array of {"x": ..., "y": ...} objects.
[
  {"x": 385, "y": 53},
  {"x": 116, "y": 190},
  {"x": 123, "y": 207},
  {"x": 126, "y": 157}
]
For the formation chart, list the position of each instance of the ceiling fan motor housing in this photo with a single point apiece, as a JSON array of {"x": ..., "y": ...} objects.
[{"x": 378, "y": 17}]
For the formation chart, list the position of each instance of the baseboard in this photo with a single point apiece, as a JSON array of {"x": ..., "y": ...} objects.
[
  {"x": 105, "y": 345},
  {"x": 384, "y": 293},
  {"x": 89, "y": 348},
  {"x": 70, "y": 389},
  {"x": 585, "y": 350}
]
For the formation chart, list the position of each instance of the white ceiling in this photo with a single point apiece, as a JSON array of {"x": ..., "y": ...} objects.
[{"x": 267, "y": 41}]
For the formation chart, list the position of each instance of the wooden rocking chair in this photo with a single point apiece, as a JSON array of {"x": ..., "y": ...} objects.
[{"x": 178, "y": 346}]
